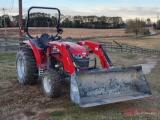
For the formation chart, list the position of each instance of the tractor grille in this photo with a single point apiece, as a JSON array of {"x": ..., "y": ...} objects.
[{"x": 83, "y": 63}]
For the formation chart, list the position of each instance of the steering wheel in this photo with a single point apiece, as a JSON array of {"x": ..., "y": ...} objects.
[{"x": 56, "y": 38}]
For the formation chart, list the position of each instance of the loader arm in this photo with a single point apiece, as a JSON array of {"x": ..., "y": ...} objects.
[
  {"x": 63, "y": 55},
  {"x": 98, "y": 50}
]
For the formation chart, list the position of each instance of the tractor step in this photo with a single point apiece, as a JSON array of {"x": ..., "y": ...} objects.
[{"x": 41, "y": 69}]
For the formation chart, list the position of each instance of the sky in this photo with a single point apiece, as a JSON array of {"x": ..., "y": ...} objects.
[{"x": 127, "y": 9}]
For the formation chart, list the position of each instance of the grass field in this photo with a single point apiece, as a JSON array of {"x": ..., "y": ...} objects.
[
  {"x": 28, "y": 102},
  {"x": 72, "y": 32},
  {"x": 150, "y": 42}
]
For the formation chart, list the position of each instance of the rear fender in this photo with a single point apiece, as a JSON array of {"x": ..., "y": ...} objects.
[{"x": 37, "y": 52}]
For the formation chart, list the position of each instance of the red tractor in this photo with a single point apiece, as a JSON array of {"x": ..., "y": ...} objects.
[{"x": 55, "y": 60}]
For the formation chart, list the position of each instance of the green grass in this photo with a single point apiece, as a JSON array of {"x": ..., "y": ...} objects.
[
  {"x": 130, "y": 118},
  {"x": 29, "y": 113},
  {"x": 129, "y": 56},
  {"x": 7, "y": 67},
  {"x": 58, "y": 115},
  {"x": 7, "y": 57},
  {"x": 95, "y": 113}
]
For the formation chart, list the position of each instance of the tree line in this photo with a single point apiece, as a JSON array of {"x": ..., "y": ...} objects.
[
  {"x": 39, "y": 19},
  {"x": 101, "y": 22}
]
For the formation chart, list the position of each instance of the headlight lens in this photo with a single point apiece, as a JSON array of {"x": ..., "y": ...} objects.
[
  {"x": 77, "y": 56},
  {"x": 87, "y": 56},
  {"x": 54, "y": 48}
]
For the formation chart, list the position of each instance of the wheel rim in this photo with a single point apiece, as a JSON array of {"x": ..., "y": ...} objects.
[
  {"x": 47, "y": 84},
  {"x": 20, "y": 67}
]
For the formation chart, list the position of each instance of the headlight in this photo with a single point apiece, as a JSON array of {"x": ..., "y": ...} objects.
[
  {"x": 54, "y": 48},
  {"x": 77, "y": 56},
  {"x": 87, "y": 56}
]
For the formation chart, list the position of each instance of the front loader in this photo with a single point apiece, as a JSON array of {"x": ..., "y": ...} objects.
[{"x": 56, "y": 60}]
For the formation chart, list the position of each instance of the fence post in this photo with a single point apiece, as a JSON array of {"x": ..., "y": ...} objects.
[
  {"x": 111, "y": 46},
  {"x": 121, "y": 49},
  {"x": 6, "y": 44}
]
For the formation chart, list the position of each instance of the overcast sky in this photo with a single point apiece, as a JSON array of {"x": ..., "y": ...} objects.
[{"x": 127, "y": 9}]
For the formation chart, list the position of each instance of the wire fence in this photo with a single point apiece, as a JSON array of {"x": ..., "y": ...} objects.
[
  {"x": 125, "y": 48},
  {"x": 9, "y": 44},
  {"x": 12, "y": 44}
]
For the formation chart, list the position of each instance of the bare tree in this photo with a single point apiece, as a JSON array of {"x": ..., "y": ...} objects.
[
  {"x": 137, "y": 27},
  {"x": 158, "y": 25},
  {"x": 149, "y": 22}
]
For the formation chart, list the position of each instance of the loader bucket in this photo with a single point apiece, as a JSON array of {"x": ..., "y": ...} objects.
[{"x": 105, "y": 86}]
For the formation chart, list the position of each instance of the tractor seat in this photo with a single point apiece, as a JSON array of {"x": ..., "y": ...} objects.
[{"x": 44, "y": 39}]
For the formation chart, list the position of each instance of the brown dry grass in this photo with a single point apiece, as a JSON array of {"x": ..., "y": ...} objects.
[
  {"x": 72, "y": 32},
  {"x": 83, "y": 33},
  {"x": 146, "y": 42},
  {"x": 150, "y": 42}
]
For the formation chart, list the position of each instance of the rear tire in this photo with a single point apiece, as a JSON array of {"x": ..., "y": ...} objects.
[
  {"x": 27, "y": 72},
  {"x": 51, "y": 83}
]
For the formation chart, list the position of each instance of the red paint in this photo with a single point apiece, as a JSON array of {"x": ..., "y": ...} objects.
[
  {"x": 64, "y": 55},
  {"x": 95, "y": 47},
  {"x": 38, "y": 53}
]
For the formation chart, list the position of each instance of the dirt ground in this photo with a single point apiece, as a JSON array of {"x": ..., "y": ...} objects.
[{"x": 18, "y": 102}]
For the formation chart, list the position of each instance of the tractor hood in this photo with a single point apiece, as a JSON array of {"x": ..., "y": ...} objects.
[
  {"x": 77, "y": 49},
  {"x": 74, "y": 48}
]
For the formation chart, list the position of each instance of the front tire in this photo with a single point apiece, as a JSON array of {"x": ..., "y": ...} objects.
[
  {"x": 51, "y": 83},
  {"x": 26, "y": 67}
]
